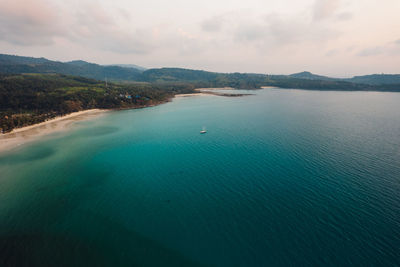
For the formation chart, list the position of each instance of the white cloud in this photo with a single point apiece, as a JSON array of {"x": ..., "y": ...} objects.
[
  {"x": 372, "y": 51},
  {"x": 234, "y": 35},
  {"x": 213, "y": 24},
  {"x": 274, "y": 30},
  {"x": 325, "y": 8},
  {"x": 344, "y": 16},
  {"x": 29, "y": 22},
  {"x": 388, "y": 49},
  {"x": 38, "y": 22}
]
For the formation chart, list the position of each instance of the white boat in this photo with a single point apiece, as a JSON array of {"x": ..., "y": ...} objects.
[{"x": 203, "y": 131}]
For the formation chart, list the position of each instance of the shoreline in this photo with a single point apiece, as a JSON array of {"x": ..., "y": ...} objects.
[
  {"x": 187, "y": 95},
  {"x": 20, "y": 136},
  {"x": 27, "y": 134},
  {"x": 210, "y": 91},
  {"x": 55, "y": 119},
  {"x": 214, "y": 88}
]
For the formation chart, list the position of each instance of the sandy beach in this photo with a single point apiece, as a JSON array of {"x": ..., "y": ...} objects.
[
  {"x": 186, "y": 95},
  {"x": 21, "y": 136},
  {"x": 216, "y": 88},
  {"x": 31, "y": 133},
  {"x": 212, "y": 91},
  {"x": 204, "y": 91}
]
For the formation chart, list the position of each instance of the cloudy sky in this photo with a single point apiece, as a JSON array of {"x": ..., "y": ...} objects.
[{"x": 330, "y": 37}]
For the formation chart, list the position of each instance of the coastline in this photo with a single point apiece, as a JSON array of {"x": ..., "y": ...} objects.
[
  {"x": 187, "y": 95},
  {"x": 210, "y": 91},
  {"x": 214, "y": 88},
  {"x": 27, "y": 134},
  {"x": 269, "y": 87}
]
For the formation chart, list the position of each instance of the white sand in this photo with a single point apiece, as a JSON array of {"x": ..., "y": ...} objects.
[
  {"x": 31, "y": 133},
  {"x": 186, "y": 95},
  {"x": 204, "y": 91},
  {"x": 209, "y": 89}
]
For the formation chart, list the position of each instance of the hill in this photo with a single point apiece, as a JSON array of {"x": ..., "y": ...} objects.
[
  {"x": 376, "y": 79},
  {"x": 15, "y": 60},
  {"x": 373, "y": 79},
  {"x": 200, "y": 78},
  {"x": 18, "y": 65},
  {"x": 32, "y": 98},
  {"x": 310, "y": 76},
  {"x": 132, "y": 66},
  {"x": 196, "y": 78}
]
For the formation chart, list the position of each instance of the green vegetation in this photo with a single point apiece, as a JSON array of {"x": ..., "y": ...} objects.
[
  {"x": 205, "y": 79},
  {"x": 18, "y": 65},
  {"x": 33, "y": 90},
  {"x": 32, "y": 98},
  {"x": 283, "y": 81},
  {"x": 310, "y": 76},
  {"x": 254, "y": 81},
  {"x": 376, "y": 79}
]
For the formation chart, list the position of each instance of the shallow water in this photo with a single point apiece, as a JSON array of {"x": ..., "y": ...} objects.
[{"x": 281, "y": 177}]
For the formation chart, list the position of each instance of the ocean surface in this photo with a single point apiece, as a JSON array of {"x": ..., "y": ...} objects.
[{"x": 282, "y": 178}]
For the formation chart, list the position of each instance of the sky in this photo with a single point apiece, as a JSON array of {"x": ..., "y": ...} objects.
[{"x": 339, "y": 38}]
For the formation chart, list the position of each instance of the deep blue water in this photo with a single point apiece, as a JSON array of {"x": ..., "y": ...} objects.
[{"x": 282, "y": 178}]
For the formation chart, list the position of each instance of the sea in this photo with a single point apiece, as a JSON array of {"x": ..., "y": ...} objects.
[{"x": 283, "y": 177}]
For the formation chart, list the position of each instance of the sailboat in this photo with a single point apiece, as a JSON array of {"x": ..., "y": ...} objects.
[{"x": 203, "y": 131}]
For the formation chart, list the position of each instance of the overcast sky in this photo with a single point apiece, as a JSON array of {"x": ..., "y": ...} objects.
[{"x": 330, "y": 37}]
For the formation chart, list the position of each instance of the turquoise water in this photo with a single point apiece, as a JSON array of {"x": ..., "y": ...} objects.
[{"x": 283, "y": 177}]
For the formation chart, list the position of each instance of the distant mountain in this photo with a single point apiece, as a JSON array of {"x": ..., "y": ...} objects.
[
  {"x": 99, "y": 72},
  {"x": 310, "y": 76},
  {"x": 10, "y": 64},
  {"x": 17, "y": 65},
  {"x": 376, "y": 79},
  {"x": 132, "y": 66},
  {"x": 14, "y": 60},
  {"x": 177, "y": 74},
  {"x": 79, "y": 63},
  {"x": 373, "y": 79},
  {"x": 201, "y": 78}
]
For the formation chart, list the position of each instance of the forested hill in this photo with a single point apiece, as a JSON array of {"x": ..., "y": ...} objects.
[
  {"x": 27, "y": 99},
  {"x": 33, "y": 90},
  {"x": 310, "y": 76},
  {"x": 373, "y": 79},
  {"x": 376, "y": 79},
  {"x": 252, "y": 81},
  {"x": 128, "y": 73},
  {"x": 202, "y": 78},
  {"x": 18, "y": 65}
]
